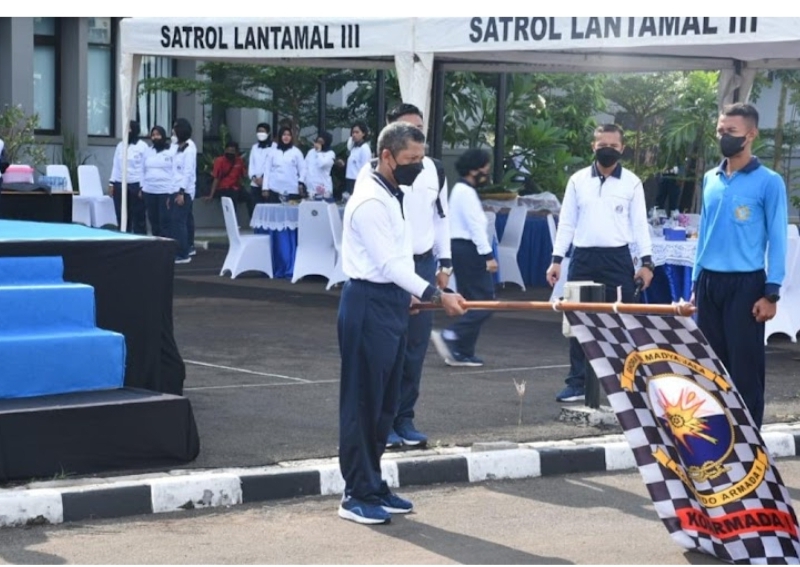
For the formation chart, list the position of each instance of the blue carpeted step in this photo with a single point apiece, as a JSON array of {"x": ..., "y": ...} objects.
[
  {"x": 31, "y": 270},
  {"x": 58, "y": 363},
  {"x": 35, "y": 308}
]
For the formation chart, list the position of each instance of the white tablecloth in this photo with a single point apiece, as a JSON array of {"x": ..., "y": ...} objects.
[
  {"x": 275, "y": 216},
  {"x": 677, "y": 252}
]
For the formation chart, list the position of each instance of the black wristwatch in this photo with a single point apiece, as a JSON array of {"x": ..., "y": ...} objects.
[{"x": 772, "y": 297}]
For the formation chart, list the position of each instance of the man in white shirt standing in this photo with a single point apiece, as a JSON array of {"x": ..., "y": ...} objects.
[
  {"x": 425, "y": 209},
  {"x": 258, "y": 161},
  {"x": 603, "y": 211},
  {"x": 373, "y": 321}
]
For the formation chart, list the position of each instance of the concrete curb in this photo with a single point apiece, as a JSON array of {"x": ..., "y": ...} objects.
[{"x": 55, "y": 502}]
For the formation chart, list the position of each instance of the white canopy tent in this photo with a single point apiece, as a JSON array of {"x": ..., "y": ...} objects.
[{"x": 736, "y": 46}]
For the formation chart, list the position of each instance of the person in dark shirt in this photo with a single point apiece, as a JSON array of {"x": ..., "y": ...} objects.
[{"x": 229, "y": 171}]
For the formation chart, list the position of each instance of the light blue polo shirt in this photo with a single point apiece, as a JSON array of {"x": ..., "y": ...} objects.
[{"x": 741, "y": 215}]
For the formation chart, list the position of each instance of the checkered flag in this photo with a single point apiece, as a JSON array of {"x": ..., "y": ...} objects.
[{"x": 706, "y": 467}]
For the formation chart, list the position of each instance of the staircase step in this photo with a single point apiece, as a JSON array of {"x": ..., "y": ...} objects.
[
  {"x": 31, "y": 270},
  {"x": 31, "y": 308},
  {"x": 61, "y": 362}
]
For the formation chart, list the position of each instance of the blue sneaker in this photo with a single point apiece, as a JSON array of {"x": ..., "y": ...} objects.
[
  {"x": 571, "y": 394},
  {"x": 393, "y": 441},
  {"x": 409, "y": 435},
  {"x": 477, "y": 361},
  {"x": 447, "y": 350},
  {"x": 393, "y": 504},
  {"x": 362, "y": 512}
]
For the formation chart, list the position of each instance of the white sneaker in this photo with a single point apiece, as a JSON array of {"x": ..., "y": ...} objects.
[{"x": 182, "y": 260}]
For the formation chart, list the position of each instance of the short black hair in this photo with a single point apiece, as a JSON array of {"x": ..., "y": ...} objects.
[
  {"x": 472, "y": 159},
  {"x": 401, "y": 110},
  {"x": 743, "y": 109},
  {"x": 395, "y": 137},
  {"x": 232, "y": 144},
  {"x": 263, "y": 125},
  {"x": 610, "y": 128},
  {"x": 361, "y": 126}
]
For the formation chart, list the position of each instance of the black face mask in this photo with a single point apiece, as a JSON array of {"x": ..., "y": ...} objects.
[
  {"x": 607, "y": 157},
  {"x": 231, "y": 157},
  {"x": 407, "y": 173},
  {"x": 159, "y": 145},
  {"x": 731, "y": 145},
  {"x": 481, "y": 180}
]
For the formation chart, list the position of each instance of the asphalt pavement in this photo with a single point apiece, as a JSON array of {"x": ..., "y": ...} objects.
[{"x": 263, "y": 371}]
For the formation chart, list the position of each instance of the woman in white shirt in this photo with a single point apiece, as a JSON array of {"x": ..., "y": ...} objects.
[
  {"x": 319, "y": 161},
  {"x": 473, "y": 260},
  {"x": 258, "y": 160},
  {"x": 157, "y": 181},
  {"x": 183, "y": 190},
  {"x": 285, "y": 169},
  {"x": 137, "y": 219},
  {"x": 360, "y": 155}
]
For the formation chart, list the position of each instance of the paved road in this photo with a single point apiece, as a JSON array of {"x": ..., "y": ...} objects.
[
  {"x": 576, "y": 519},
  {"x": 263, "y": 371}
]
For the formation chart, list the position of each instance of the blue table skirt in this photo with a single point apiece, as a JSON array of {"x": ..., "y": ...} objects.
[
  {"x": 670, "y": 282},
  {"x": 535, "y": 250},
  {"x": 284, "y": 249}
]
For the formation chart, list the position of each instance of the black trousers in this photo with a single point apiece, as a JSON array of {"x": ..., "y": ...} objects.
[
  {"x": 612, "y": 267},
  {"x": 137, "y": 218},
  {"x": 237, "y": 196},
  {"x": 372, "y": 326},
  {"x": 724, "y": 314},
  {"x": 475, "y": 284}
]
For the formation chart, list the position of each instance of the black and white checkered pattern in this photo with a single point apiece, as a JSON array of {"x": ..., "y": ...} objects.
[{"x": 607, "y": 339}]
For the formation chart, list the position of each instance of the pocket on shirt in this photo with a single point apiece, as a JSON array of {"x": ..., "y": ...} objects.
[
  {"x": 744, "y": 210},
  {"x": 619, "y": 205}
]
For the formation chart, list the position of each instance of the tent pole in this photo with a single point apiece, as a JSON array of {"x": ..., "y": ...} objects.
[
  {"x": 380, "y": 103},
  {"x": 322, "y": 105},
  {"x": 737, "y": 69},
  {"x": 500, "y": 126},
  {"x": 437, "y": 134}
]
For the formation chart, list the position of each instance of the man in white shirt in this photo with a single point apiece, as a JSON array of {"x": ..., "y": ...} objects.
[
  {"x": 425, "y": 209},
  {"x": 603, "y": 210},
  {"x": 373, "y": 321},
  {"x": 258, "y": 161}
]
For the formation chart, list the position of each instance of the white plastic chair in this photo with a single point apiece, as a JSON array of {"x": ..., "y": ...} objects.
[
  {"x": 315, "y": 251},
  {"x": 335, "y": 221},
  {"x": 81, "y": 208},
  {"x": 558, "y": 289},
  {"x": 787, "y": 316},
  {"x": 249, "y": 252},
  {"x": 91, "y": 187},
  {"x": 508, "y": 247}
]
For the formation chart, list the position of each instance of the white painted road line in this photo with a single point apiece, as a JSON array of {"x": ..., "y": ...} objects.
[
  {"x": 234, "y": 386},
  {"x": 495, "y": 370},
  {"x": 246, "y": 371}
]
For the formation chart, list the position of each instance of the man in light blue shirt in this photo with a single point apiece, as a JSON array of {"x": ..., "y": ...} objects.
[{"x": 744, "y": 219}]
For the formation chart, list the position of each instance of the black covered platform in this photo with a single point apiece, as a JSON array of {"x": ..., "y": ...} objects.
[
  {"x": 132, "y": 278},
  {"x": 92, "y": 432}
]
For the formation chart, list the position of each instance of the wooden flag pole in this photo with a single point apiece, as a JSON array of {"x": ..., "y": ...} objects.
[{"x": 680, "y": 309}]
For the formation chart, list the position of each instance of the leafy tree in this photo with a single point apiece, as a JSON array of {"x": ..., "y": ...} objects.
[
  {"x": 17, "y": 131},
  {"x": 290, "y": 92}
]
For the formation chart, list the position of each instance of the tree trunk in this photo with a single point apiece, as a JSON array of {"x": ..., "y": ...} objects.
[{"x": 778, "y": 156}]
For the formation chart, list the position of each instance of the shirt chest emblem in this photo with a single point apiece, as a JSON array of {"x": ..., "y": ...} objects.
[
  {"x": 619, "y": 208},
  {"x": 742, "y": 212}
]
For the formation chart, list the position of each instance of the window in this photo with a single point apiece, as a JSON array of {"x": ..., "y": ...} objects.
[
  {"x": 100, "y": 65},
  {"x": 155, "y": 107},
  {"x": 46, "y": 75}
]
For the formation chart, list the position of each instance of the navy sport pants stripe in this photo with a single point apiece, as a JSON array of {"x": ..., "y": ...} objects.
[
  {"x": 372, "y": 327},
  {"x": 724, "y": 314}
]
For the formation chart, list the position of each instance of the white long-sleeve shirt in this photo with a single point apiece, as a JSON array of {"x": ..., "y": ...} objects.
[
  {"x": 258, "y": 161},
  {"x": 318, "y": 170},
  {"x": 185, "y": 173},
  {"x": 284, "y": 171},
  {"x": 358, "y": 158},
  {"x": 467, "y": 219},
  {"x": 158, "y": 176},
  {"x": 376, "y": 241},
  {"x": 602, "y": 212},
  {"x": 428, "y": 229},
  {"x": 136, "y": 153}
]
